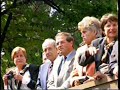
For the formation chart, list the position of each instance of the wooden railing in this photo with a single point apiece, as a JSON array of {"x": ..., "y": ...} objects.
[{"x": 108, "y": 82}]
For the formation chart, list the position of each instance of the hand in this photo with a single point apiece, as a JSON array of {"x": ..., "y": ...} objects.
[
  {"x": 5, "y": 79},
  {"x": 115, "y": 71},
  {"x": 98, "y": 75},
  {"x": 90, "y": 79},
  {"x": 77, "y": 83},
  {"x": 92, "y": 51},
  {"x": 18, "y": 77},
  {"x": 74, "y": 73}
]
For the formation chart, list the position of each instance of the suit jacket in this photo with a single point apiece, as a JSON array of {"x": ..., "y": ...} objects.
[
  {"x": 114, "y": 57},
  {"x": 61, "y": 81},
  {"x": 43, "y": 76},
  {"x": 80, "y": 69},
  {"x": 99, "y": 44}
]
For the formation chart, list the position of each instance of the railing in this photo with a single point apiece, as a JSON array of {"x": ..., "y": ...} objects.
[{"x": 108, "y": 82}]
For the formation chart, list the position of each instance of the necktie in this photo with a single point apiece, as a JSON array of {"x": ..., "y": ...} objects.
[
  {"x": 64, "y": 59},
  {"x": 50, "y": 69},
  {"x": 61, "y": 64}
]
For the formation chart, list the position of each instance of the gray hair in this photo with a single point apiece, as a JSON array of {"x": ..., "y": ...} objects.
[
  {"x": 49, "y": 41},
  {"x": 90, "y": 23}
]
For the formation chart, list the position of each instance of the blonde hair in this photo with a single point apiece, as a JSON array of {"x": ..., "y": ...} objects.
[
  {"x": 17, "y": 49},
  {"x": 90, "y": 23}
]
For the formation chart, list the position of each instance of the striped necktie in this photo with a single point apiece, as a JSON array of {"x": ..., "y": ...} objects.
[{"x": 50, "y": 69}]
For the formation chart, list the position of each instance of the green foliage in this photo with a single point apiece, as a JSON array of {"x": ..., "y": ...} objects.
[{"x": 31, "y": 24}]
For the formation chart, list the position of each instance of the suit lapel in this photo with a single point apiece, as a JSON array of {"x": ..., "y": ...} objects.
[
  {"x": 101, "y": 48},
  {"x": 65, "y": 68},
  {"x": 45, "y": 67},
  {"x": 55, "y": 68},
  {"x": 57, "y": 64},
  {"x": 68, "y": 62}
]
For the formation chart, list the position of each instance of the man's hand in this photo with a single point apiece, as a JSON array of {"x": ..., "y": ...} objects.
[{"x": 5, "y": 79}]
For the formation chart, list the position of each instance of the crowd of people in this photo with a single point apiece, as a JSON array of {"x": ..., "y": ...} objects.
[{"x": 63, "y": 66}]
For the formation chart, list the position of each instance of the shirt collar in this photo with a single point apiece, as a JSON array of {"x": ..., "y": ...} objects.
[{"x": 71, "y": 55}]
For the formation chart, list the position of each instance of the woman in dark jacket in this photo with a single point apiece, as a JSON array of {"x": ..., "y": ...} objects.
[
  {"x": 101, "y": 48},
  {"x": 23, "y": 76}
]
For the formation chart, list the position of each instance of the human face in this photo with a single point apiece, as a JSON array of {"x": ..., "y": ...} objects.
[
  {"x": 88, "y": 36},
  {"x": 19, "y": 59},
  {"x": 50, "y": 52},
  {"x": 111, "y": 29},
  {"x": 63, "y": 46}
]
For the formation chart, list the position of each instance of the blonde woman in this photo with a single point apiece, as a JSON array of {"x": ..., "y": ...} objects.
[
  {"x": 101, "y": 48},
  {"x": 24, "y": 76},
  {"x": 90, "y": 30}
]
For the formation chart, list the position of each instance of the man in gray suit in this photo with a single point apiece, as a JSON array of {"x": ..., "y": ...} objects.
[
  {"x": 50, "y": 51},
  {"x": 63, "y": 65}
]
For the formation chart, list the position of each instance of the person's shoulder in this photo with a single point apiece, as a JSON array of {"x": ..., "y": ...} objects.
[
  {"x": 116, "y": 43},
  {"x": 98, "y": 39},
  {"x": 58, "y": 59},
  {"x": 46, "y": 63},
  {"x": 13, "y": 69},
  {"x": 82, "y": 47},
  {"x": 33, "y": 67}
]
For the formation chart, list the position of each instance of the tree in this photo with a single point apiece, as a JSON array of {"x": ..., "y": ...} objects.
[{"x": 31, "y": 24}]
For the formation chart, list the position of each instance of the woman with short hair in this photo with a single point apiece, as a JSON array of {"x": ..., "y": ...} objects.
[
  {"x": 101, "y": 48},
  {"x": 23, "y": 76}
]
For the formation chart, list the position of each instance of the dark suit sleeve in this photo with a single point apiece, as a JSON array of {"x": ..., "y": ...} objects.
[
  {"x": 34, "y": 74},
  {"x": 85, "y": 60}
]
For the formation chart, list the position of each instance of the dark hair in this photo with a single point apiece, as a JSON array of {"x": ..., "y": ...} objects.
[
  {"x": 108, "y": 17},
  {"x": 69, "y": 37}
]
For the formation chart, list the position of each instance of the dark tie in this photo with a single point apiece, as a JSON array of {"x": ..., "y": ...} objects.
[
  {"x": 50, "y": 69},
  {"x": 62, "y": 62}
]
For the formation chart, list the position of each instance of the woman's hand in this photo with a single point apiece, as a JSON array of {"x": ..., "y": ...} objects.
[
  {"x": 18, "y": 77},
  {"x": 92, "y": 51},
  {"x": 115, "y": 71},
  {"x": 98, "y": 76},
  {"x": 5, "y": 79}
]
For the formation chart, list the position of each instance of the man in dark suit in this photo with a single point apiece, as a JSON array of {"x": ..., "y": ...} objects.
[{"x": 50, "y": 51}]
